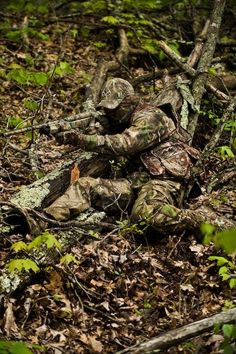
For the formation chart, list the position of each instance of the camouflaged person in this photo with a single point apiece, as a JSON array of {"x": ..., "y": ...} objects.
[{"x": 154, "y": 135}]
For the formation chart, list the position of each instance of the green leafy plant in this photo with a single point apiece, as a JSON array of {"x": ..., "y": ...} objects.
[
  {"x": 15, "y": 122},
  {"x": 226, "y": 269},
  {"x": 26, "y": 77},
  {"x": 46, "y": 239},
  {"x": 111, "y": 20},
  {"x": 22, "y": 264},
  {"x": 18, "y": 35},
  {"x": 150, "y": 45},
  {"x": 63, "y": 69},
  {"x": 224, "y": 152},
  {"x": 229, "y": 333},
  {"x": 31, "y": 104},
  {"x": 125, "y": 227},
  {"x": 189, "y": 347},
  {"x": 69, "y": 258},
  {"x": 146, "y": 304},
  {"x": 28, "y": 7},
  {"x": 12, "y": 347},
  {"x": 226, "y": 240}
]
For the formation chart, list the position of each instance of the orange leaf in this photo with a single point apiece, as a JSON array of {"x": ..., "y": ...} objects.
[{"x": 74, "y": 175}]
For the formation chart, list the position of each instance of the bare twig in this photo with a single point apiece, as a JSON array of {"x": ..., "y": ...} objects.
[
  {"x": 24, "y": 26},
  {"x": 192, "y": 72},
  {"x": 219, "y": 94},
  {"x": 16, "y": 148}
]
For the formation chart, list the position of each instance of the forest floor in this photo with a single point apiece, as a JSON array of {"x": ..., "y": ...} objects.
[{"x": 125, "y": 288}]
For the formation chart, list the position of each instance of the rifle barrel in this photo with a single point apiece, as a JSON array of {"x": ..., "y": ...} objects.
[{"x": 78, "y": 118}]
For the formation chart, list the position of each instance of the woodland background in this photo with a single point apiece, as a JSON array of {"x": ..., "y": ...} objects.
[{"x": 106, "y": 291}]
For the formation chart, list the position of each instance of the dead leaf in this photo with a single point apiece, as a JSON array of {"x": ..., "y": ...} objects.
[
  {"x": 104, "y": 258},
  {"x": 41, "y": 330},
  {"x": 105, "y": 304},
  {"x": 74, "y": 175},
  {"x": 179, "y": 263},
  {"x": 95, "y": 344},
  {"x": 10, "y": 325},
  {"x": 187, "y": 287},
  {"x": 59, "y": 335},
  {"x": 198, "y": 249},
  {"x": 55, "y": 281},
  {"x": 123, "y": 258}
]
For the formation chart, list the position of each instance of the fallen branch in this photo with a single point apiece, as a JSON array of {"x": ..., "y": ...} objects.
[
  {"x": 177, "y": 59},
  {"x": 192, "y": 72},
  {"x": 181, "y": 334},
  {"x": 44, "y": 191}
]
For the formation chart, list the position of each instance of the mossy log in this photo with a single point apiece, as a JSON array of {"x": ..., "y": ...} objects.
[
  {"x": 44, "y": 191},
  {"x": 18, "y": 213},
  {"x": 40, "y": 194}
]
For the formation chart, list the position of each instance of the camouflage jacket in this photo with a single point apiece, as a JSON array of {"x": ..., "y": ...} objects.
[{"x": 149, "y": 129}]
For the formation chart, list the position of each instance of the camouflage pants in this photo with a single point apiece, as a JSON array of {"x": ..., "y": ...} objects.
[{"x": 157, "y": 203}]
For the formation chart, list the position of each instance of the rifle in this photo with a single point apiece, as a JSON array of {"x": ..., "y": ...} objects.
[{"x": 80, "y": 120}]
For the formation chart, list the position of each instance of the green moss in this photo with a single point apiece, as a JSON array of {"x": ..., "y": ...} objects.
[{"x": 33, "y": 195}]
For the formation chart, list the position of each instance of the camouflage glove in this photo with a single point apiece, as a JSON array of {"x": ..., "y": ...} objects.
[
  {"x": 84, "y": 141},
  {"x": 69, "y": 137}
]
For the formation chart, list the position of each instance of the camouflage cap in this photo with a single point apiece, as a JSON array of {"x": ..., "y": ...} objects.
[{"x": 114, "y": 91}]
